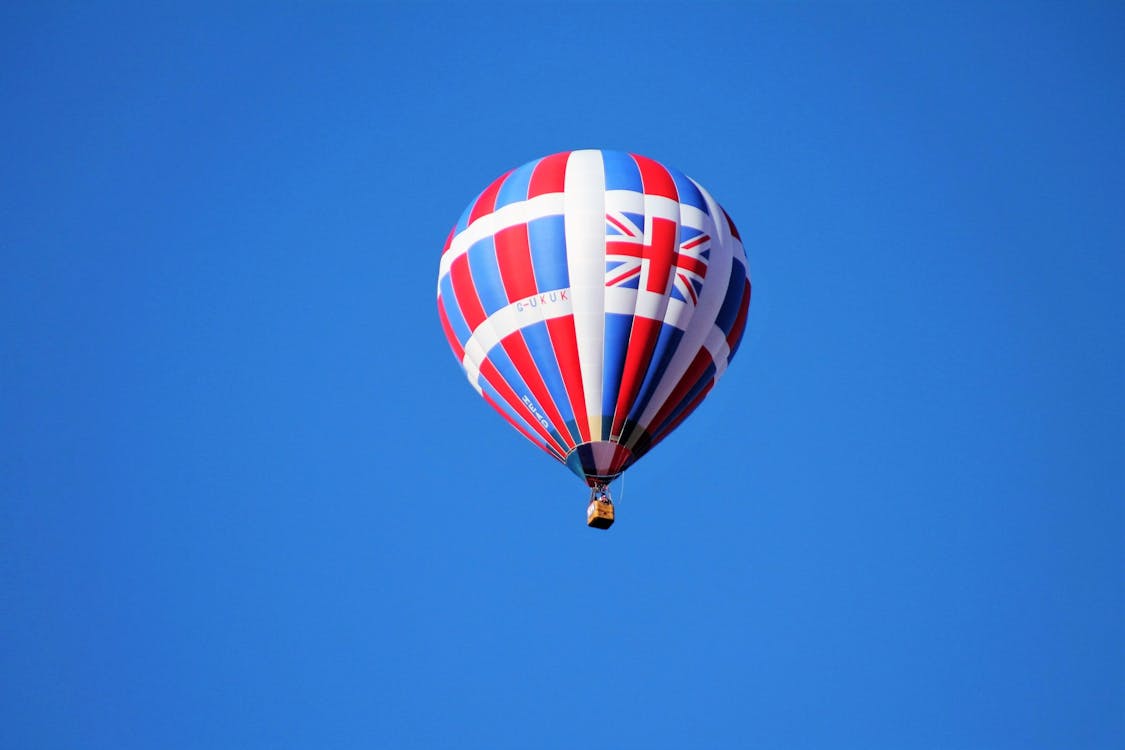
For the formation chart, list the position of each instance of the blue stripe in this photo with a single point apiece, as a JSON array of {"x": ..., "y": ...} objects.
[
  {"x": 688, "y": 191},
  {"x": 503, "y": 364},
  {"x": 515, "y": 187},
  {"x": 547, "y": 238},
  {"x": 486, "y": 275},
  {"x": 538, "y": 340},
  {"x": 729, "y": 311},
  {"x": 617, "y": 329},
  {"x": 666, "y": 344},
  {"x": 621, "y": 172},
  {"x": 453, "y": 312}
]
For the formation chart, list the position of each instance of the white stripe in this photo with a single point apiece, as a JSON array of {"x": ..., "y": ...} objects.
[
  {"x": 552, "y": 204},
  {"x": 549, "y": 204},
  {"x": 585, "y": 260}
]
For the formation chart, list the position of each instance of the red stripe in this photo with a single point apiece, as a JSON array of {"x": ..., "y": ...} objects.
[
  {"x": 513, "y": 255},
  {"x": 549, "y": 175},
  {"x": 451, "y": 337},
  {"x": 486, "y": 203},
  {"x": 465, "y": 292},
  {"x": 695, "y": 402},
  {"x": 642, "y": 341},
  {"x": 687, "y": 382},
  {"x": 489, "y": 372},
  {"x": 688, "y": 263},
  {"x": 660, "y": 254},
  {"x": 689, "y": 287},
  {"x": 624, "y": 276},
  {"x": 696, "y": 242},
  {"x": 656, "y": 179},
  {"x": 516, "y": 347},
  {"x": 621, "y": 458},
  {"x": 628, "y": 249},
  {"x": 565, "y": 343},
  {"x": 735, "y": 334}
]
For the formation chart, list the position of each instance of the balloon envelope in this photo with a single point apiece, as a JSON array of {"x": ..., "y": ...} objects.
[{"x": 593, "y": 298}]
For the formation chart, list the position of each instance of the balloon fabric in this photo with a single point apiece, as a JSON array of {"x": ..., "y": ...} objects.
[{"x": 594, "y": 298}]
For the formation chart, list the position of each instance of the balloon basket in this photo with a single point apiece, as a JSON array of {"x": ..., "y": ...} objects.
[{"x": 599, "y": 513}]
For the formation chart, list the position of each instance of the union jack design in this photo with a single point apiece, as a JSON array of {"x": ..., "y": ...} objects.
[{"x": 628, "y": 258}]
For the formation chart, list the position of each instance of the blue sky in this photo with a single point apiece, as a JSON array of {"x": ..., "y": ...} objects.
[{"x": 249, "y": 501}]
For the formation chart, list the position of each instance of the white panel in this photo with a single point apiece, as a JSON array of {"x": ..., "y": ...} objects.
[{"x": 584, "y": 222}]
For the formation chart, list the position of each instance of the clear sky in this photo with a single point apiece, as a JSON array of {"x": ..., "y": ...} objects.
[{"x": 247, "y": 499}]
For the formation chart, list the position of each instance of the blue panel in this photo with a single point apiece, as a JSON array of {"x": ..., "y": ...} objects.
[
  {"x": 514, "y": 188},
  {"x": 688, "y": 192},
  {"x": 486, "y": 275},
  {"x": 621, "y": 172},
  {"x": 666, "y": 344},
  {"x": 538, "y": 341},
  {"x": 729, "y": 311},
  {"x": 503, "y": 364},
  {"x": 617, "y": 330},
  {"x": 453, "y": 312},
  {"x": 547, "y": 237}
]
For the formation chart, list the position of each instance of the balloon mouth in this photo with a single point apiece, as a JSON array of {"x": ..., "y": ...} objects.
[{"x": 599, "y": 462}]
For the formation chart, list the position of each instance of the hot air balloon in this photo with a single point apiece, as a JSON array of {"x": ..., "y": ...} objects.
[{"x": 594, "y": 298}]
